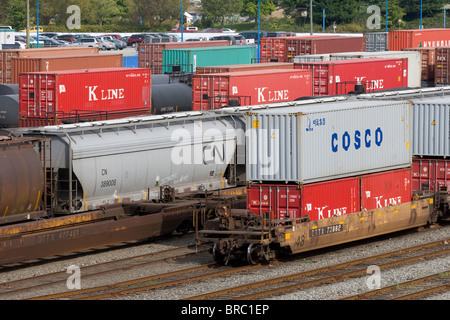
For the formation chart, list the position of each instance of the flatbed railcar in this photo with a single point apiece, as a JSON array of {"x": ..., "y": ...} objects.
[{"x": 255, "y": 238}]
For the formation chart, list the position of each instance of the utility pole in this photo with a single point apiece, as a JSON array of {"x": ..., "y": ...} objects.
[
  {"x": 28, "y": 24},
  {"x": 311, "y": 16}
]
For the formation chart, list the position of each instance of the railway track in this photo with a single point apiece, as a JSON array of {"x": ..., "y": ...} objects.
[
  {"x": 200, "y": 273},
  {"x": 58, "y": 280},
  {"x": 330, "y": 274}
]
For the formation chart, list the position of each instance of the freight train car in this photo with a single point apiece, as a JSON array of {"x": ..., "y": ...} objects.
[{"x": 129, "y": 160}]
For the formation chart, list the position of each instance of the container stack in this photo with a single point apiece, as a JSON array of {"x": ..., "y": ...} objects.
[
  {"x": 8, "y": 73},
  {"x": 187, "y": 60},
  {"x": 341, "y": 76},
  {"x": 217, "y": 90},
  {"x": 284, "y": 49},
  {"x": 49, "y": 98},
  {"x": 328, "y": 160},
  {"x": 150, "y": 55}
]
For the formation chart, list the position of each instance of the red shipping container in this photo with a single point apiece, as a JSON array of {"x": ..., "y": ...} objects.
[
  {"x": 428, "y": 62},
  {"x": 430, "y": 174},
  {"x": 382, "y": 189},
  {"x": 340, "y": 76},
  {"x": 418, "y": 38},
  {"x": 286, "y": 48},
  {"x": 244, "y": 67},
  {"x": 441, "y": 67},
  {"x": 317, "y": 201},
  {"x": 213, "y": 91},
  {"x": 59, "y": 93},
  {"x": 150, "y": 55}
]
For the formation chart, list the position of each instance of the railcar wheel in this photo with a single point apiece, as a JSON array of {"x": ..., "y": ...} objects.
[
  {"x": 218, "y": 257},
  {"x": 253, "y": 254}
]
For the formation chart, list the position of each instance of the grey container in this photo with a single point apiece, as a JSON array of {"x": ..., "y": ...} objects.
[
  {"x": 431, "y": 125},
  {"x": 377, "y": 41},
  {"x": 9, "y": 111},
  {"x": 325, "y": 142}
]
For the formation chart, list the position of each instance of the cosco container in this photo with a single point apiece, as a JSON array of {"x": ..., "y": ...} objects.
[
  {"x": 245, "y": 67},
  {"x": 431, "y": 127},
  {"x": 290, "y": 47},
  {"x": 317, "y": 200},
  {"x": 377, "y": 41},
  {"x": 442, "y": 67},
  {"x": 430, "y": 174},
  {"x": 188, "y": 60},
  {"x": 48, "y": 64},
  {"x": 60, "y": 94},
  {"x": 341, "y": 76},
  {"x": 150, "y": 55},
  {"x": 307, "y": 144},
  {"x": 418, "y": 38},
  {"x": 6, "y": 57},
  {"x": 414, "y": 62},
  {"x": 331, "y": 198},
  {"x": 428, "y": 62},
  {"x": 213, "y": 91}
]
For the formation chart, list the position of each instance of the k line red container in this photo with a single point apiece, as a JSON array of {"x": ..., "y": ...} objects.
[
  {"x": 317, "y": 201},
  {"x": 6, "y": 57},
  {"x": 150, "y": 55},
  {"x": 428, "y": 62},
  {"x": 213, "y": 91},
  {"x": 331, "y": 198},
  {"x": 382, "y": 189},
  {"x": 88, "y": 61},
  {"x": 286, "y": 48},
  {"x": 60, "y": 93},
  {"x": 340, "y": 76},
  {"x": 430, "y": 174},
  {"x": 442, "y": 66},
  {"x": 245, "y": 67},
  {"x": 418, "y": 38}
]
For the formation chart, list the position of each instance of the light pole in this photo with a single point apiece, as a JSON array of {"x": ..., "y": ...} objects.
[
  {"x": 37, "y": 22},
  {"x": 310, "y": 17},
  {"x": 444, "y": 17},
  {"x": 182, "y": 24},
  {"x": 323, "y": 20},
  {"x": 386, "y": 15},
  {"x": 421, "y": 25},
  {"x": 258, "y": 53}
]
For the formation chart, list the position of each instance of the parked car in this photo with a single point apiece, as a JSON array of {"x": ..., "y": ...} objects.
[
  {"x": 66, "y": 37},
  {"x": 89, "y": 42},
  {"x": 135, "y": 39},
  {"x": 107, "y": 44},
  {"x": 120, "y": 45},
  {"x": 227, "y": 30},
  {"x": 21, "y": 44},
  {"x": 207, "y": 30},
  {"x": 48, "y": 43},
  {"x": 114, "y": 36},
  {"x": 234, "y": 39}
]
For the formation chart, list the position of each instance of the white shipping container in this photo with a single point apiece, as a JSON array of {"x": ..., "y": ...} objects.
[
  {"x": 431, "y": 125},
  {"x": 323, "y": 142},
  {"x": 312, "y": 58},
  {"x": 414, "y": 62}
]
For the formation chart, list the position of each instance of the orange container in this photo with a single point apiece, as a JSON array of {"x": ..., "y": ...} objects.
[
  {"x": 6, "y": 57},
  {"x": 57, "y": 63}
]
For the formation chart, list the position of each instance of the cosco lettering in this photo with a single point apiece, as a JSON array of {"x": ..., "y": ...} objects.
[{"x": 357, "y": 140}]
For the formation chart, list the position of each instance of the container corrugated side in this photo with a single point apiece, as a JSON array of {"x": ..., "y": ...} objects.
[
  {"x": 244, "y": 67},
  {"x": 442, "y": 66},
  {"x": 430, "y": 174},
  {"x": 414, "y": 62},
  {"x": 189, "y": 59},
  {"x": 418, "y": 38},
  {"x": 431, "y": 125},
  {"x": 59, "y": 93},
  {"x": 325, "y": 142},
  {"x": 7, "y": 55},
  {"x": 428, "y": 62},
  {"x": 382, "y": 189},
  {"x": 377, "y": 41},
  {"x": 89, "y": 61}
]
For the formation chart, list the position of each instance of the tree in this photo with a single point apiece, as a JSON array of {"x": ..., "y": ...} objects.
[
  {"x": 251, "y": 8},
  {"x": 217, "y": 11},
  {"x": 17, "y": 14}
]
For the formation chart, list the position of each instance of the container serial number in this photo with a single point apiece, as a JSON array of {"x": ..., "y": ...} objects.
[
  {"x": 326, "y": 230},
  {"x": 108, "y": 183}
]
